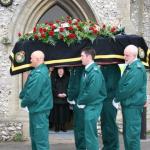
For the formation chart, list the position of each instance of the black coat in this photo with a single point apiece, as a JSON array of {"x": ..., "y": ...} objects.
[{"x": 60, "y": 85}]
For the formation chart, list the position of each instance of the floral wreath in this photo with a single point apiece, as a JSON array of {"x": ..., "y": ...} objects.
[{"x": 70, "y": 31}]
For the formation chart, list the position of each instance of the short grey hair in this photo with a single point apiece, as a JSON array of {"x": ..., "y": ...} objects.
[
  {"x": 39, "y": 54},
  {"x": 133, "y": 49}
]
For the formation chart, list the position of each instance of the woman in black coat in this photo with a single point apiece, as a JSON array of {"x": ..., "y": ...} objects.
[{"x": 61, "y": 107}]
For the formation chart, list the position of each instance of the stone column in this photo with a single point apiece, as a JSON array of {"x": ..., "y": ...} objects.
[{"x": 124, "y": 8}]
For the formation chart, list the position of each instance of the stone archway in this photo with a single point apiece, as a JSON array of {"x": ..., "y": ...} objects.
[
  {"x": 29, "y": 15},
  {"x": 24, "y": 21}
]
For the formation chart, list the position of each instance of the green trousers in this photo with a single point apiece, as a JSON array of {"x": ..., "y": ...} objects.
[
  {"x": 79, "y": 128},
  {"x": 109, "y": 127},
  {"x": 39, "y": 123},
  {"x": 91, "y": 115},
  {"x": 132, "y": 127}
]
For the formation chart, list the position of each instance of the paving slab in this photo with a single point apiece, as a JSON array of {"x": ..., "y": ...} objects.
[{"x": 62, "y": 141}]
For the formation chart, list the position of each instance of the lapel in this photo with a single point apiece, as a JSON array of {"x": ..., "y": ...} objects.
[
  {"x": 85, "y": 74},
  {"x": 129, "y": 69},
  {"x": 90, "y": 68}
]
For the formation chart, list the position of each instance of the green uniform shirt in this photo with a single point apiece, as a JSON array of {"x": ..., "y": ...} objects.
[
  {"x": 37, "y": 92},
  {"x": 92, "y": 87},
  {"x": 74, "y": 83},
  {"x": 132, "y": 86},
  {"x": 112, "y": 76}
]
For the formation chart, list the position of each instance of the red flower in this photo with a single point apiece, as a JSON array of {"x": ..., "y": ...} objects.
[
  {"x": 41, "y": 30},
  {"x": 44, "y": 30},
  {"x": 72, "y": 36},
  {"x": 68, "y": 17},
  {"x": 53, "y": 27},
  {"x": 78, "y": 20},
  {"x": 95, "y": 31},
  {"x": 103, "y": 26},
  {"x": 61, "y": 29},
  {"x": 69, "y": 21},
  {"x": 19, "y": 34},
  {"x": 34, "y": 29},
  {"x": 79, "y": 28},
  {"x": 70, "y": 28},
  {"x": 36, "y": 37},
  {"x": 61, "y": 37},
  {"x": 46, "y": 22},
  {"x": 51, "y": 33},
  {"x": 58, "y": 21},
  {"x": 76, "y": 23},
  {"x": 91, "y": 28},
  {"x": 50, "y": 24},
  {"x": 113, "y": 29},
  {"x": 43, "y": 35}
]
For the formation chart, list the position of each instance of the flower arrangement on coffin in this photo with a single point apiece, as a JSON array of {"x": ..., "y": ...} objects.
[{"x": 70, "y": 31}]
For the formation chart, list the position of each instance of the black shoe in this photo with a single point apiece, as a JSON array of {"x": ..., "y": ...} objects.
[
  {"x": 63, "y": 128},
  {"x": 57, "y": 129},
  {"x": 50, "y": 125}
]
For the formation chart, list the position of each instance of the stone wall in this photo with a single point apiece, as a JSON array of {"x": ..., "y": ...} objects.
[
  {"x": 6, "y": 15},
  {"x": 140, "y": 16},
  {"x": 105, "y": 10},
  {"x": 11, "y": 131}
]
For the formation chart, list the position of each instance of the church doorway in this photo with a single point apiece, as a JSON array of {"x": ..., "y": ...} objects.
[
  {"x": 61, "y": 9},
  {"x": 61, "y": 116},
  {"x": 39, "y": 12}
]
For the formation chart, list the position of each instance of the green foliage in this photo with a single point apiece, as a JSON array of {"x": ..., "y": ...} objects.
[
  {"x": 18, "y": 137},
  {"x": 70, "y": 31}
]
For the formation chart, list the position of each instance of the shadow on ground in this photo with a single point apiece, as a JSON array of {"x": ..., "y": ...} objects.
[{"x": 61, "y": 141}]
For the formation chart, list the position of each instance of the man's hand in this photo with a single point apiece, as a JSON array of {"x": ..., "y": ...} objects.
[
  {"x": 71, "y": 102},
  {"x": 64, "y": 94},
  {"x": 61, "y": 95},
  {"x": 147, "y": 103},
  {"x": 116, "y": 105},
  {"x": 81, "y": 106}
]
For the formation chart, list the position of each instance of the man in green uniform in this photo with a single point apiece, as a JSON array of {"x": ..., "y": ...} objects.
[
  {"x": 37, "y": 97},
  {"x": 109, "y": 127},
  {"x": 91, "y": 97},
  {"x": 131, "y": 93},
  {"x": 73, "y": 92}
]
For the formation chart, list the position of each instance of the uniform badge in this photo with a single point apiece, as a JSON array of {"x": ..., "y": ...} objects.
[
  {"x": 141, "y": 52},
  {"x": 20, "y": 57}
]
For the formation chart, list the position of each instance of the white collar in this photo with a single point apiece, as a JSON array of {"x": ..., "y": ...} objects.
[
  {"x": 132, "y": 61},
  {"x": 89, "y": 65}
]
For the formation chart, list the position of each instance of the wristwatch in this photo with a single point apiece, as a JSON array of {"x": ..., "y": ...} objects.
[{"x": 6, "y": 3}]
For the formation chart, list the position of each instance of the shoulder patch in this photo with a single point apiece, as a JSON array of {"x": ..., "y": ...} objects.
[
  {"x": 95, "y": 68},
  {"x": 38, "y": 71},
  {"x": 139, "y": 66}
]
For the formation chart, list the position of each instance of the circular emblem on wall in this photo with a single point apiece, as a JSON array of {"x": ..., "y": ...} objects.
[
  {"x": 141, "y": 52},
  {"x": 6, "y": 3},
  {"x": 20, "y": 57}
]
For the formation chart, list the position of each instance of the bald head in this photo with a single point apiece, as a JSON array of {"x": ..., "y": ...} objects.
[
  {"x": 37, "y": 58},
  {"x": 130, "y": 54}
]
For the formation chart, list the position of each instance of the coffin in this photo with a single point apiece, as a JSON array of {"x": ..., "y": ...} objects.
[{"x": 108, "y": 51}]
